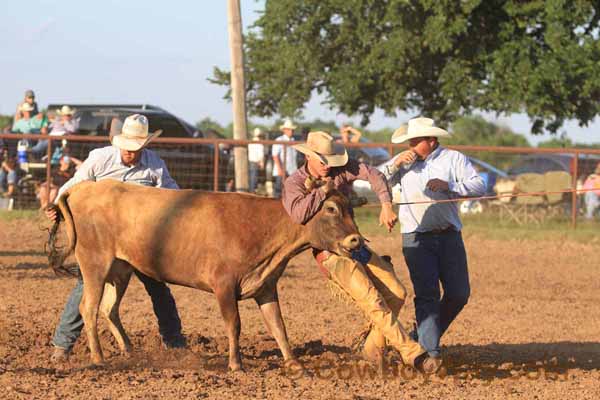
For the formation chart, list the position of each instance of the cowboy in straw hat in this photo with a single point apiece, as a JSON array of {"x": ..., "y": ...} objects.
[
  {"x": 417, "y": 127},
  {"x": 28, "y": 121},
  {"x": 432, "y": 245},
  {"x": 127, "y": 160},
  {"x": 257, "y": 133},
  {"x": 322, "y": 146},
  {"x": 134, "y": 134},
  {"x": 26, "y": 107},
  {"x": 328, "y": 168},
  {"x": 65, "y": 110},
  {"x": 287, "y": 124},
  {"x": 283, "y": 167},
  {"x": 256, "y": 158}
]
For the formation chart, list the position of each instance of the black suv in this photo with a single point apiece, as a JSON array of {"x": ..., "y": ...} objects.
[{"x": 191, "y": 165}]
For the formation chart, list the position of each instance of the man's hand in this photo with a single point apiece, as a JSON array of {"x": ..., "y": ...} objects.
[
  {"x": 52, "y": 212},
  {"x": 437, "y": 185},
  {"x": 405, "y": 158},
  {"x": 388, "y": 217},
  {"x": 328, "y": 185}
]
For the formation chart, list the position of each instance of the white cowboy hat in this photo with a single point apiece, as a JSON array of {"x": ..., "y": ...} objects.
[
  {"x": 257, "y": 132},
  {"x": 134, "y": 133},
  {"x": 66, "y": 110},
  {"x": 287, "y": 124},
  {"x": 25, "y": 106},
  {"x": 321, "y": 145},
  {"x": 417, "y": 127}
]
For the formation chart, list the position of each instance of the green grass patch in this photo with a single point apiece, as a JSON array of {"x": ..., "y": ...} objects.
[
  {"x": 18, "y": 214},
  {"x": 492, "y": 227}
]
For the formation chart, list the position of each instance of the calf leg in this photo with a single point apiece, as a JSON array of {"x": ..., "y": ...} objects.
[
  {"x": 114, "y": 290},
  {"x": 268, "y": 302},
  {"x": 227, "y": 298},
  {"x": 92, "y": 295}
]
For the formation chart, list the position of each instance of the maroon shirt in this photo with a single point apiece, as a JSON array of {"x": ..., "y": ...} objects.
[{"x": 302, "y": 204}]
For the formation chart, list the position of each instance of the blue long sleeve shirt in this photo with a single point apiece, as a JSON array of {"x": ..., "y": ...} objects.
[
  {"x": 448, "y": 165},
  {"x": 106, "y": 163}
]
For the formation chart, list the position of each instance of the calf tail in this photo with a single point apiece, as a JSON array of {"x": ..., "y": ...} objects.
[{"x": 57, "y": 255}]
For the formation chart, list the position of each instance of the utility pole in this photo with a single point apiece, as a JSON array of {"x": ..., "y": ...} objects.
[{"x": 238, "y": 93}]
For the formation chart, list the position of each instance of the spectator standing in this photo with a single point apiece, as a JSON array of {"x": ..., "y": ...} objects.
[
  {"x": 431, "y": 240},
  {"x": 284, "y": 167},
  {"x": 350, "y": 134},
  {"x": 592, "y": 197},
  {"x": 29, "y": 98},
  {"x": 256, "y": 158}
]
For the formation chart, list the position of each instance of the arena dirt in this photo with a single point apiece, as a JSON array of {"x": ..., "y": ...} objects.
[{"x": 531, "y": 330}]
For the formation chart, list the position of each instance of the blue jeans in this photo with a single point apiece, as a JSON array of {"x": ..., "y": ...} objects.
[
  {"x": 592, "y": 202},
  {"x": 71, "y": 323},
  {"x": 10, "y": 177},
  {"x": 277, "y": 184},
  {"x": 254, "y": 168},
  {"x": 431, "y": 259},
  {"x": 40, "y": 148}
]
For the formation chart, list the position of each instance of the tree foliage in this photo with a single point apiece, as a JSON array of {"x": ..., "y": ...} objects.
[
  {"x": 5, "y": 121},
  {"x": 477, "y": 131},
  {"x": 441, "y": 58}
]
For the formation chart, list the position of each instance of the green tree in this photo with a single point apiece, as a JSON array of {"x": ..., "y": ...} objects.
[
  {"x": 209, "y": 124},
  {"x": 476, "y": 131},
  {"x": 442, "y": 58},
  {"x": 5, "y": 120}
]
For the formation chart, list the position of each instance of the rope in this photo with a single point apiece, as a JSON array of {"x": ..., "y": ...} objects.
[{"x": 501, "y": 196}]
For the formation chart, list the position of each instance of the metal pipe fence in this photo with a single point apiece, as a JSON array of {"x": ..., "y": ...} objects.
[{"x": 207, "y": 164}]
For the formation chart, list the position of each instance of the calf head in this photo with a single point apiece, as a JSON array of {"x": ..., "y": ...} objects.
[{"x": 333, "y": 227}]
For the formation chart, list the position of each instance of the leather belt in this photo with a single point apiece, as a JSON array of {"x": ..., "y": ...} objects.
[{"x": 439, "y": 231}]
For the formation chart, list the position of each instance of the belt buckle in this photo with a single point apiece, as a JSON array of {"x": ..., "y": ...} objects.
[{"x": 441, "y": 230}]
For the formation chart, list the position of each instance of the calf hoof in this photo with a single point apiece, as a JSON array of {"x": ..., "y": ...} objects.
[
  {"x": 236, "y": 367},
  {"x": 98, "y": 361}
]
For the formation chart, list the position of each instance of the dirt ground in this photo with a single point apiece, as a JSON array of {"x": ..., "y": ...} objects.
[{"x": 531, "y": 330}]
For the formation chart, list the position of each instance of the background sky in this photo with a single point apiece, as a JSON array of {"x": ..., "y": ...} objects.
[{"x": 150, "y": 52}]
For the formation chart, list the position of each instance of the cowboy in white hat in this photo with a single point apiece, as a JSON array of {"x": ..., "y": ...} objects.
[
  {"x": 66, "y": 124},
  {"x": 283, "y": 167},
  {"x": 127, "y": 160},
  {"x": 256, "y": 158},
  {"x": 328, "y": 167},
  {"x": 431, "y": 241}
]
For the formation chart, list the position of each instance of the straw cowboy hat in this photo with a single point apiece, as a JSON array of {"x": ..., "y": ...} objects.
[
  {"x": 321, "y": 145},
  {"x": 66, "y": 110},
  {"x": 287, "y": 124},
  {"x": 417, "y": 127},
  {"x": 257, "y": 133},
  {"x": 25, "y": 106},
  {"x": 134, "y": 133}
]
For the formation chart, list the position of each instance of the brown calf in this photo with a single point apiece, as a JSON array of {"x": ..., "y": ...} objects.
[{"x": 233, "y": 245}]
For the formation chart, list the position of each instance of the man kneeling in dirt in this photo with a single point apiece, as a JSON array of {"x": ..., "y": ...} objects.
[
  {"x": 127, "y": 160},
  {"x": 367, "y": 278}
]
